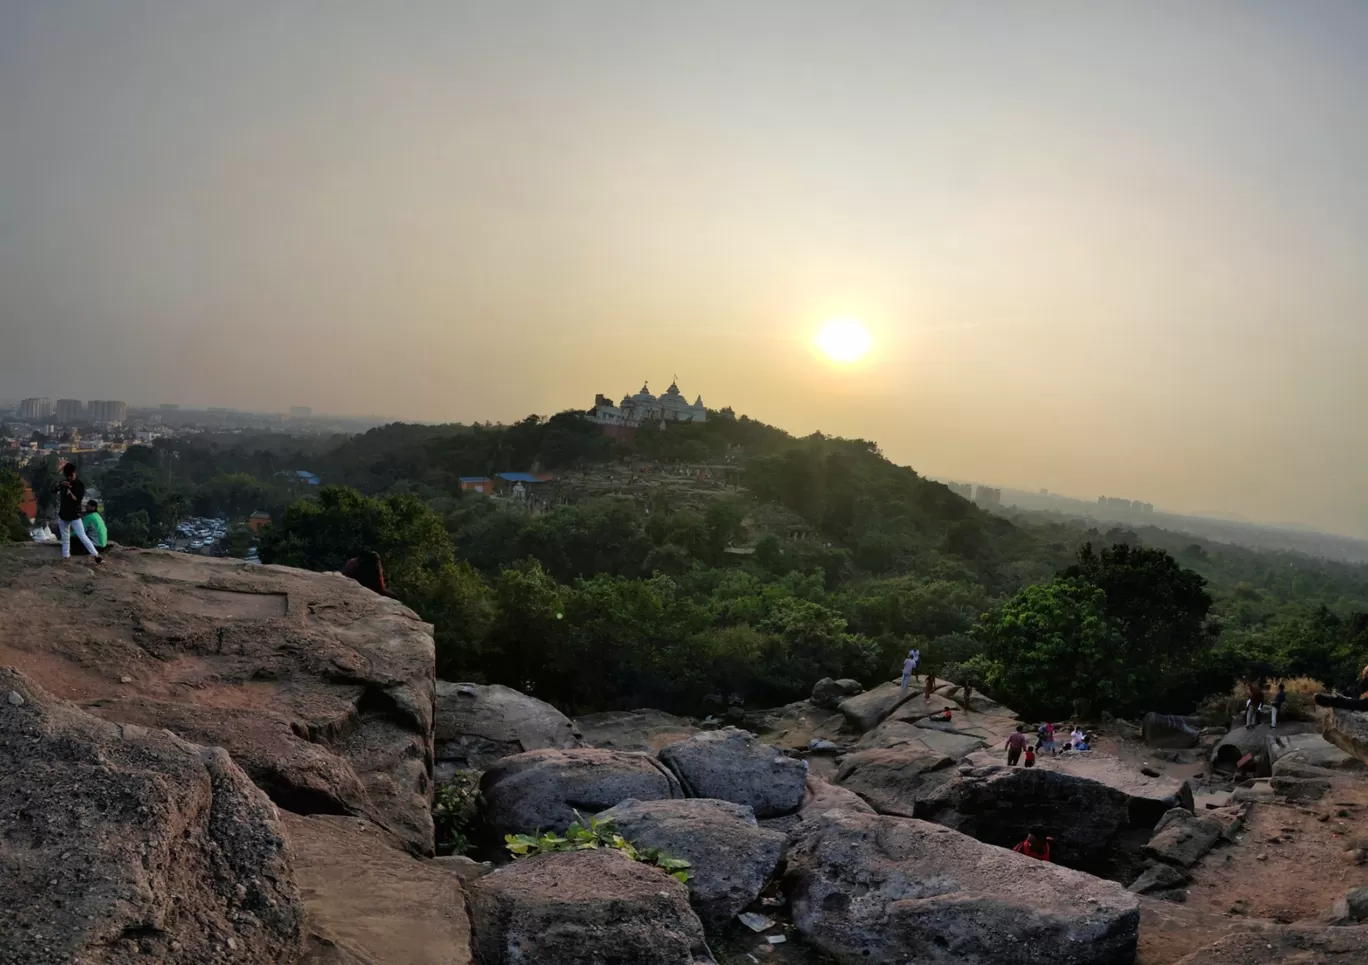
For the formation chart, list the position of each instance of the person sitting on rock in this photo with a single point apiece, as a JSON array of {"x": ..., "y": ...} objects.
[
  {"x": 1078, "y": 740},
  {"x": 1016, "y": 743},
  {"x": 365, "y": 569},
  {"x": 1036, "y": 845}
]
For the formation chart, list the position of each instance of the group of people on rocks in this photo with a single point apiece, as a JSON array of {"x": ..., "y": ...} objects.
[
  {"x": 79, "y": 517},
  {"x": 1255, "y": 704},
  {"x": 1019, "y": 745}
]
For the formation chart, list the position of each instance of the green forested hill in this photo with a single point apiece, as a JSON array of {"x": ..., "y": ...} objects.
[{"x": 633, "y": 597}]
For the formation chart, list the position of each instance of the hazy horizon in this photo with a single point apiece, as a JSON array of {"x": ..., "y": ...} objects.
[{"x": 1100, "y": 249}]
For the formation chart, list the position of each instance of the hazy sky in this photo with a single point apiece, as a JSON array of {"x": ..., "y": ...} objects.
[{"x": 1103, "y": 247}]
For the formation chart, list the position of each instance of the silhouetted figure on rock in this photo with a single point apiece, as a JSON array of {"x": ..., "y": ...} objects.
[{"x": 365, "y": 569}]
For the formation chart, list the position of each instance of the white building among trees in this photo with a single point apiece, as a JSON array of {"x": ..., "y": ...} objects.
[{"x": 637, "y": 410}]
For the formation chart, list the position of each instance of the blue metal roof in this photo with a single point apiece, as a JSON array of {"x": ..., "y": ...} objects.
[{"x": 526, "y": 477}]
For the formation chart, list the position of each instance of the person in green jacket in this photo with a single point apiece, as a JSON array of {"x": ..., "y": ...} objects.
[{"x": 95, "y": 525}]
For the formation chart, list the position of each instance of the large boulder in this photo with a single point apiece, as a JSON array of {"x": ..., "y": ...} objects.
[
  {"x": 542, "y": 790},
  {"x": 1309, "y": 756},
  {"x": 1242, "y": 740},
  {"x": 1169, "y": 731},
  {"x": 367, "y": 900},
  {"x": 829, "y": 693},
  {"x": 867, "y": 710},
  {"x": 892, "y": 780},
  {"x": 923, "y": 735},
  {"x": 1181, "y": 838},
  {"x": 119, "y": 843},
  {"x": 584, "y": 908},
  {"x": 320, "y": 689},
  {"x": 635, "y": 730},
  {"x": 1087, "y": 802},
  {"x": 732, "y": 856},
  {"x": 476, "y": 725},
  {"x": 1347, "y": 730},
  {"x": 819, "y": 798},
  {"x": 732, "y": 765},
  {"x": 884, "y": 890}
]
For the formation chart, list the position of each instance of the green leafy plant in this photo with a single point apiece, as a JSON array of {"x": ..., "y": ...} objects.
[
  {"x": 587, "y": 835},
  {"x": 454, "y": 809}
]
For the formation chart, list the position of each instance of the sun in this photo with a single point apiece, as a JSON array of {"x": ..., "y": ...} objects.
[{"x": 844, "y": 340}]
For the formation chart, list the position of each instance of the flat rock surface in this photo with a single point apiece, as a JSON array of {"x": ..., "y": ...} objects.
[
  {"x": 476, "y": 725},
  {"x": 892, "y": 780},
  {"x": 1290, "y": 945},
  {"x": 733, "y": 765},
  {"x": 365, "y": 899},
  {"x": 732, "y": 856},
  {"x": 635, "y": 730},
  {"x": 319, "y": 688},
  {"x": 867, "y": 710},
  {"x": 885, "y": 890},
  {"x": 584, "y": 908},
  {"x": 542, "y": 790},
  {"x": 119, "y": 844},
  {"x": 819, "y": 798}
]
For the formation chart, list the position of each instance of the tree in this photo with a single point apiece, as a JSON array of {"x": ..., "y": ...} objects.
[
  {"x": 1053, "y": 649},
  {"x": 13, "y": 523}
]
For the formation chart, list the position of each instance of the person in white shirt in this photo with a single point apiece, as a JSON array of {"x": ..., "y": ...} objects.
[
  {"x": 909, "y": 668},
  {"x": 1078, "y": 740}
]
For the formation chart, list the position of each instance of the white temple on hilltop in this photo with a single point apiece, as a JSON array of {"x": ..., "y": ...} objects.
[{"x": 637, "y": 410}]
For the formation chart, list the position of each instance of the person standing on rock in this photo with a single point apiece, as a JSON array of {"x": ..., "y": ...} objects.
[
  {"x": 1279, "y": 699},
  {"x": 71, "y": 495},
  {"x": 1016, "y": 743},
  {"x": 1254, "y": 706},
  {"x": 930, "y": 684},
  {"x": 1046, "y": 733},
  {"x": 909, "y": 668},
  {"x": 1030, "y": 756}
]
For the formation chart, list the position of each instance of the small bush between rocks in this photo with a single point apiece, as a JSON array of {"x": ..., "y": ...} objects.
[
  {"x": 585, "y": 835},
  {"x": 455, "y": 806}
]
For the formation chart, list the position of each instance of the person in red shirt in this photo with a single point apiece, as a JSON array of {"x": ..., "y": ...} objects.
[
  {"x": 1016, "y": 743},
  {"x": 1030, "y": 756},
  {"x": 1036, "y": 845}
]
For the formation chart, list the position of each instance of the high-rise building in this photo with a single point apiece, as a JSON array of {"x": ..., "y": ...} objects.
[
  {"x": 70, "y": 411},
  {"x": 169, "y": 406},
  {"x": 108, "y": 410},
  {"x": 35, "y": 409},
  {"x": 300, "y": 411}
]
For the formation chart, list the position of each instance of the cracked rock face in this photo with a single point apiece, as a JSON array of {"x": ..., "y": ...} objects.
[
  {"x": 319, "y": 689},
  {"x": 121, "y": 844}
]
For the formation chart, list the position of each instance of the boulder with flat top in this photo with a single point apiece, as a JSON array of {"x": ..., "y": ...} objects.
[
  {"x": 732, "y": 765},
  {"x": 477, "y": 724}
]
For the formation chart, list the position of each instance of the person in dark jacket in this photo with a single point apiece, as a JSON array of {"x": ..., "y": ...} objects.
[
  {"x": 70, "y": 507},
  {"x": 365, "y": 569}
]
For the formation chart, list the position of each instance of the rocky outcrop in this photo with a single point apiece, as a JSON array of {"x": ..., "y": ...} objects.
[
  {"x": 867, "y": 710},
  {"x": 1347, "y": 730},
  {"x": 1242, "y": 740},
  {"x": 829, "y": 693},
  {"x": 884, "y": 890},
  {"x": 819, "y": 798},
  {"x": 476, "y": 725},
  {"x": 1290, "y": 753},
  {"x": 584, "y": 908},
  {"x": 542, "y": 790},
  {"x": 119, "y": 843},
  {"x": 635, "y": 730},
  {"x": 892, "y": 780},
  {"x": 1351, "y": 909},
  {"x": 320, "y": 689},
  {"x": 1182, "y": 838},
  {"x": 1159, "y": 878},
  {"x": 1169, "y": 731},
  {"x": 732, "y": 765},
  {"x": 365, "y": 901},
  {"x": 732, "y": 856},
  {"x": 921, "y": 736},
  {"x": 1087, "y": 803},
  {"x": 1283, "y": 946}
]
